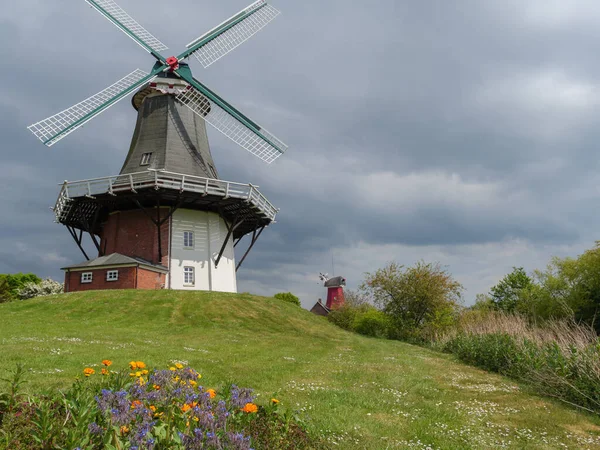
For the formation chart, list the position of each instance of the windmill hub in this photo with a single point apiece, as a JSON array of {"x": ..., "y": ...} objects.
[{"x": 173, "y": 63}]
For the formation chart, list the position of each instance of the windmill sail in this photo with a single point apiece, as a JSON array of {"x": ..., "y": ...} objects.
[
  {"x": 222, "y": 39},
  {"x": 232, "y": 123},
  {"x": 126, "y": 23},
  {"x": 58, "y": 126}
]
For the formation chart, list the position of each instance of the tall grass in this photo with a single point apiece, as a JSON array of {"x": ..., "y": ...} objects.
[{"x": 558, "y": 358}]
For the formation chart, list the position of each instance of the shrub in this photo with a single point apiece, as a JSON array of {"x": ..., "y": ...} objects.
[
  {"x": 150, "y": 409},
  {"x": 45, "y": 287},
  {"x": 372, "y": 323},
  {"x": 560, "y": 359},
  {"x": 10, "y": 284},
  {"x": 344, "y": 316},
  {"x": 288, "y": 297}
]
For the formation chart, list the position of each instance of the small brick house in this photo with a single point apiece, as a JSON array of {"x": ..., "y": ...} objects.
[{"x": 115, "y": 271}]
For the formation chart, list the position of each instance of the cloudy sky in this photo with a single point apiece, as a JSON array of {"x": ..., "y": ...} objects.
[{"x": 464, "y": 132}]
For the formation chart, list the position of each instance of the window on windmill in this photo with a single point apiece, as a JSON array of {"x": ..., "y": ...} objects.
[
  {"x": 188, "y": 239},
  {"x": 86, "y": 277},
  {"x": 112, "y": 275},
  {"x": 188, "y": 276},
  {"x": 146, "y": 158}
]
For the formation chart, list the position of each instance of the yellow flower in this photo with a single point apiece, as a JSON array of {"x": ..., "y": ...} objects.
[
  {"x": 145, "y": 372},
  {"x": 196, "y": 419},
  {"x": 138, "y": 374},
  {"x": 88, "y": 371},
  {"x": 250, "y": 408},
  {"x": 152, "y": 408},
  {"x": 124, "y": 429},
  {"x": 274, "y": 401},
  {"x": 179, "y": 365},
  {"x": 132, "y": 374},
  {"x": 199, "y": 376},
  {"x": 173, "y": 369},
  {"x": 193, "y": 383},
  {"x": 212, "y": 393},
  {"x": 107, "y": 362},
  {"x": 105, "y": 371}
]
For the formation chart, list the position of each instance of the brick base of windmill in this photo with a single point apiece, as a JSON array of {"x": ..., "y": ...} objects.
[{"x": 335, "y": 295}]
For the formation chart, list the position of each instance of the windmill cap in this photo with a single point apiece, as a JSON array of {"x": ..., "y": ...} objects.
[{"x": 335, "y": 282}]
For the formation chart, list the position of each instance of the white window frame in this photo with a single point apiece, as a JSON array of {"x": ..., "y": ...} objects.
[
  {"x": 187, "y": 237},
  {"x": 187, "y": 272},
  {"x": 146, "y": 159},
  {"x": 87, "y": 277},
  {"x": 112, "y": 275}
]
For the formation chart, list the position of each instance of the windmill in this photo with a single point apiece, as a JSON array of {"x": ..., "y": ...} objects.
[
  {"x": 335, "y": 294},
  {"x": 166, "y": 220}
]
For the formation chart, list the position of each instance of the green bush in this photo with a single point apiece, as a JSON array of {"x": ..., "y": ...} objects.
[
  {"x": 372, "y": 323},
  {"x": 11, "y": 284},
  {"x": 344, "y": 316},
  {"x": 566, "y": 373},
  {"x": 288, "y": 297}
]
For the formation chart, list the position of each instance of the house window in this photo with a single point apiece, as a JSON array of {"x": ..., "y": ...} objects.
[
  {"x": 146, "y": 158},
  {"x": 112, "y": 275},
  {"x": 188, "y": 276},
  {"x": 86, "y": 277},
  {"x": 188, "y": 239}
]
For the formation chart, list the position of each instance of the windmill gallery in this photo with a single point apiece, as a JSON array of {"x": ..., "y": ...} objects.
[{"x": 166, "y": 220}]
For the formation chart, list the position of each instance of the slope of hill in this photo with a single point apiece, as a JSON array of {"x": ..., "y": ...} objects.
[{"x": 357, "y": 392}]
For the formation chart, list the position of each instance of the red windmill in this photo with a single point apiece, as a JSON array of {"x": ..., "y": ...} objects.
[{"x": 335, "y": 290}]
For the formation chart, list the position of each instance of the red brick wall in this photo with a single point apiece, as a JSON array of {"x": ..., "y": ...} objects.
[
  {"x": 132, "y": 233},
  {"x": 147, "y": 279},
  {"x": 126, "y": 280}
]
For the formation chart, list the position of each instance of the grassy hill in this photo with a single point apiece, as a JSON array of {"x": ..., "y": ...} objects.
[{"x": 357, "y": 392}]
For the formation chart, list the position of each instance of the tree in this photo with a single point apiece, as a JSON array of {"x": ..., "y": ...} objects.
[
  {"x": 416, "y": 299},
  {"x": 10, "y": 284},
  {"x": 507, "y": 293},
  {"x": 288, "y": 297}
]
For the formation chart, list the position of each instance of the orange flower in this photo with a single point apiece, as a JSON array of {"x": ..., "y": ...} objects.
[
  {"x": 179, "y": 365},
  {"x": 105, "y": 371},
  {"x": 193, "y": 383},
  {"x": 124, "y": 429},
  {"x": 88, "y": 371},
  {"x": 212, "y": 393},
  {"x": 274, "y": 401},
  {"x": 144, "y": 372},
  {"x": 186, "y": 408},
  {"x": 107, "y": 362},
  {"x": 140, "y": 365},
  {"x": 135, "y": 404},
  {"x": 133, "y": 365},
  {"x": 156, "y": 387},
  {"x": 250, "y": 408},
  {"x": 152, "y": 408}
]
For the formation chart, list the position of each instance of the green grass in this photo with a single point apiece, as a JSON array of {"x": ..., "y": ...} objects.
[{"x": 357, "y": 392}]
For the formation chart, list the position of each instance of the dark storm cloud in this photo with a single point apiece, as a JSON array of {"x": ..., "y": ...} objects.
[{"x": 463, "y": 132}]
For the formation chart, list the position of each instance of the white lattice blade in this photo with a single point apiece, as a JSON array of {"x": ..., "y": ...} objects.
[
  {"x": 126, "y": 23},
  {"x": 268, "y": 149},
  {"x": 58, "y": 126},
  {"x": 258, "y": 15}
]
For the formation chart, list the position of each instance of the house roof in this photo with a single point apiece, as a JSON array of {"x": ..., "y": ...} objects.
[
  {"x": 116, "y": 259},
  {"x": 320, "y": 306}
]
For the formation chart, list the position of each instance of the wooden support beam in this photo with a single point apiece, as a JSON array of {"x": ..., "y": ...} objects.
[
  {"x": 255, "y": 237},
  {"x": 73, "y": 234},
  {"x": 230, "y": 229}
]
